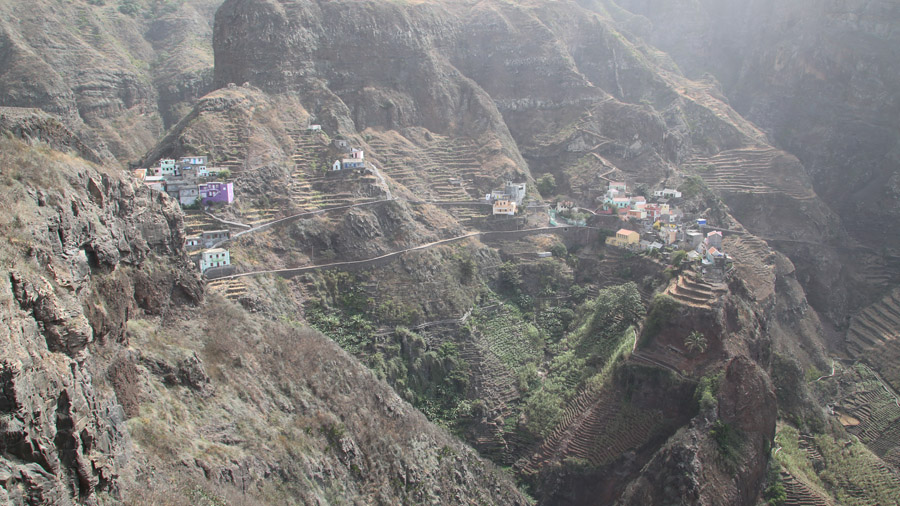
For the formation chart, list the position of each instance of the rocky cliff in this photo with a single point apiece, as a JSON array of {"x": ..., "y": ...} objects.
[
  {"x": 113, "y": 73},
  {"x": 117, "y": 372}
]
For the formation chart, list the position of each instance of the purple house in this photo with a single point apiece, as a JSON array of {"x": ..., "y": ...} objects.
[{"x": 211, "y": 193}]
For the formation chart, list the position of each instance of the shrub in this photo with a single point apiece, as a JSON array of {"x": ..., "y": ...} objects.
[
  {"x": 129, "y": 8},
  {"x": 509, "y": 277},
  {"x": 546, "y": 185},
  {"x": 706, "y": 391},
  {"x": 542, "y": 410},
  {"x": 661, "y": 312},
  {"x": 559, "y": 250},
  {"x": 467, "y": 270},
  {"x": 729, "y": 441}
]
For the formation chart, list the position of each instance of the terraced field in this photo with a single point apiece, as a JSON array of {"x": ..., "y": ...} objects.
[
  {"x": 610, "y": 273},
  {"x": 232, "y": 289},
  {"x": 308, "y": 156},
  {"x": 196, "y": 221},
  {"x": 873, "y": 336},
  {"x": 513, "y": 341},
  {"x": 313, "y": 187},
  {"x": 467, "y": 215},
  {"x": 597, "y": 427},
  {"x": 799, "y": 494},
  {"x": 746, "y": 170},
  {"x": 875, "y": 409},
  {"x": 695, "y": 293},
  {"x": 236, "y": 148},
  {"x": 443, "y": 169}
]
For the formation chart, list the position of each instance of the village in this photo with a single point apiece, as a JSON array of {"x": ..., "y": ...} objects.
[
  {"x": 193, "y": 183},
  {"x": 659, "y": 228},
  {"x": 654, "y": 226}
]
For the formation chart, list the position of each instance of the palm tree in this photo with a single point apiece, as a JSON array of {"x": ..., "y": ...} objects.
[{"x": 695, "y": 342}]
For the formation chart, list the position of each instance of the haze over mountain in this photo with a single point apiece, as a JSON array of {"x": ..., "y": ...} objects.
[{"x": 385, "y": 335}]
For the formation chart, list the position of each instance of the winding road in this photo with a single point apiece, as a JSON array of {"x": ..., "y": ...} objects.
[
  {"x": 297, "y": 216},
  {"x": 292, "y": 271}
]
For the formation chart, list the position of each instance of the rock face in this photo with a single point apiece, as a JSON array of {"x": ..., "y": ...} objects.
[
  {"x": 78, "y": 236},
  {"x": 97, "y": 68}
]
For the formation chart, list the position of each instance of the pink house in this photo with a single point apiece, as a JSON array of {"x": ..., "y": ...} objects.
[{"x": 216, "y": 192}]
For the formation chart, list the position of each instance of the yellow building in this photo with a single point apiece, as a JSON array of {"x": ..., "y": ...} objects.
[
  {"x": 624, "y": 238},
  {"x": 507, "y": 207}
]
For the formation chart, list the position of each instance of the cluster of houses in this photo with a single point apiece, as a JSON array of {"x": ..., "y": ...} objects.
[
  {"x": 507, "y": 200},
  {"x": 353, "y": 158},
  {"x": 619, "y": 201},
  {"x": 659, "y": 224},
  {"x": 703, "y": 246},
  {"x": 187, "y": 180}
]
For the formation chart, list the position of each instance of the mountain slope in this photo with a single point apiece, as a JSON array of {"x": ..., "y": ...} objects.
[{"x": 122, "y": 381}]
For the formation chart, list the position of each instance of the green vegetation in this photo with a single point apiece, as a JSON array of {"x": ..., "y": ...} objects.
[
  {"x": 662, "y": 310},
  {"x": 601, "y": 331},
  {"x": 678, "y": 257},
  {"x": 848, "y": 470},
  {"x": 513, "y": 340},
  {"x": 729, "y": 440},
  {"x": 707, "y": 390},
  {"x": 774, "y": 494},
  {"x": 695, "y": 342},
  {"x": 693, "y": 186},
  {"x": 546, "y": 185},
  {"x": 434, "y": 380}
]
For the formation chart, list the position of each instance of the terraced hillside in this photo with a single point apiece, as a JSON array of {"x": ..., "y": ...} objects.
[
  {"x": 873, "y": 336},
  {"x": 236, "y": 147},
  {"x": 232, "y": 289},
  {"x": 800, "y": 494},
  {"x": 695, "y": 293},
  {"x": 598, "y": 428},
  {"x": 439, "y": 169},
  {"x": 309, "y": 161},
  {"x": 196, "y": 221},
  {"x": 871, "y": 413},
  {"x": 752, "y": 170},
  {"x": 754, "y": 262},
  {"x": 828, "y": 469}
]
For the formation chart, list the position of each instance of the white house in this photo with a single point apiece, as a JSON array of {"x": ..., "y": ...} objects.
[
  {"x": 167, "y": 167},
  {"x": 336, "y": 165},
  {"x": 156, "y": 182},
  {"x": 215, "y": 257},
  {"x": 667, "y": 193}
]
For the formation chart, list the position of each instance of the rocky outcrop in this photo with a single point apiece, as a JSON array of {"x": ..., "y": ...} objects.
[
  {"x": 80, "y": 234},
  {"x": 101, "y": 71}
]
